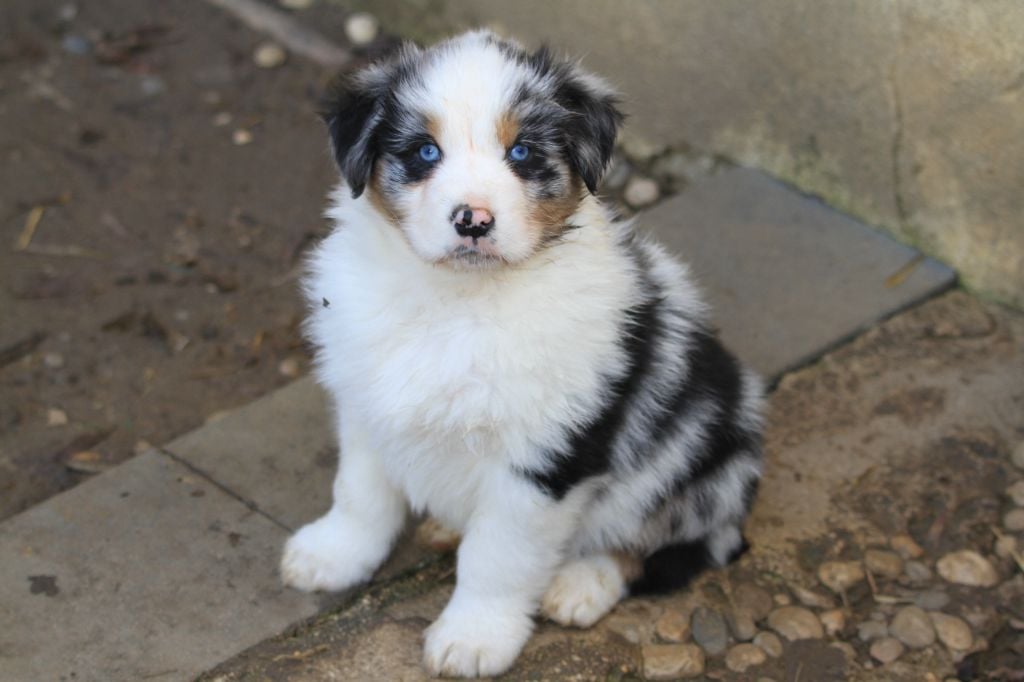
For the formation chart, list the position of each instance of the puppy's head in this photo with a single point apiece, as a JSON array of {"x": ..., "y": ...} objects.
[{"x": 477, "y": 150}]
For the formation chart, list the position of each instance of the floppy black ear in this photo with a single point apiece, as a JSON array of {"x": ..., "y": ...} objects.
[
  {"x": 352, "y": 110},
  {"x": 593, "y": 122}
]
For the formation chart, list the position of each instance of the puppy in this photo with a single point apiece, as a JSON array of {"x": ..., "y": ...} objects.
[{"x": 506, "y": 356}]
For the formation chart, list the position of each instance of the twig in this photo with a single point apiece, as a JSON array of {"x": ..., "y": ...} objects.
[
  {"x": 35, "y": 216},
  {"x": 900, "y": 276},
  {"x": 286, "y": 30}
]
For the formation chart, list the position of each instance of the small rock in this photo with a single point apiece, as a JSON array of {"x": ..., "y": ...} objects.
[
  {"x": 848, "y": 651},
  {"x": 752, "y": 598},
  {"x": 669, "y": 661},
  {"x": 834, "y": 621},
  {"x": 56, "y": 417},
  {"x": 931, "y": 600},
  {"x": 967, "y": 567},
  {"x": 141, "y": 446},
  {"x": 1006, "y": 546},
  {"x": 151, "y": 86},
  {"x": 269, "y": 55},
  {"x": 1014, "y": 520},
  {"x": 886, "y": 650},
  {"x": 906, "y": 547},
  {"x": 795, "y": 622},
  {"x": 770, "y": 643},
  {"x": 1016, "y": 493},
  {"x": 289, "y": 367},
  {"x": 641, "y": 192},
  {"x": 742, "y": 657},
  {"x": 76, "y": 45},
  {"x": 781, "y": 599},
  {"x": 917, "y": 571},
  {"x": 872, "y": 629},
  {"x": 883, "y": 563},
  {"x": 87, "y": 462},
  {"x": 361, "y": 28},
  {"x": 840, "y": 576},
  {"x": 952, "y": 631},
  {"x": 628, "y": 626},
  {"x": 912, "y": 626},
  {"x": 673, "y": 626},
  {"x": 296, "y": 4},
  {"x": 222, "y": 118},
  {"x": 1018, "y": 455},
  {"x": 741, "y": 622},
  {"x": 241, "y": 137},
  {"x": 53, "y": 360},
  {"x": 811, "y": 598},
  {"x": 709, "y": 630}
]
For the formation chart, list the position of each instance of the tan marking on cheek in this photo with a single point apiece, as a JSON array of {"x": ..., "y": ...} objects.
[
  {"x": 549, "y": 216},
  {"x": 507, "y": 130},
  {"x": 630, "y": 565}
]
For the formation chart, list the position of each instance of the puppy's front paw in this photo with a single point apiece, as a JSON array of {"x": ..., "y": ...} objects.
[
  {"x": 477, "y": 642},
  {"x": 583, "y": 591},
  {"x": 329, "y": 554}
]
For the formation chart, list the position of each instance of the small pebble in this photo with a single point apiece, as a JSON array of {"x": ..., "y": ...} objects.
[
  {"x": 812, "y": 598},
  {"x": 912, "y": 626},
  {"x": 886, "y": 650},
  {"x": 241, "y": 137},
  {"x": 967, "y": 567},
  {"x": 840, "y": 576},
  {"x": 56, "y": 417},
  {"x": 834, "y": 621},
  {"x": 781, "y": 599},
  {"x": 1018, "y": 455},
  {"x": 1006, "y": 546},
  {"x": 848, "y": 651},
  {"x": 1016, "y": 493},
  {"x": 709, "y": 630},
  {"x": 641, "y": 192},
  {"x": 221, "y": 119},
  {"x": 269, "y": 55},
  {"x": 289, "y": 367},
  {"x": 151, "y": 86},
  {"x": 883, "y": 563},
  {"x": 742, "y": 657},
  {"x": 742, "y": 624},
  {"x": 1014, "y": 520},
  {"x": 917, "y": 571},
  {"x": 795, "y": 622},
  {"x": 670, "y": 661},
  {"x": 753, "y": 599},
  {"x": 952, "y": 631},
  {"x": 906, "y": 547},
  {"x": 361, "y": 28},
  {"x": 76, "y": 45},
  {"x": 53, "y": 360},
  {"x": 673, "y": 626},
  {"x": 872, "y": 629},
  {"x": 931, "y": 600},
  {"x": 628, "y": 626},
  {"x": 769, "y": 642}
]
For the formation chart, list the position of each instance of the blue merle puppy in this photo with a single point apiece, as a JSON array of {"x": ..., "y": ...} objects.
[{"x": 507, "y": 357}]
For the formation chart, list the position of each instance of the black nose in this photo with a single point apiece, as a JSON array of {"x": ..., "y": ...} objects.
[{"x": 472, "y": 222}]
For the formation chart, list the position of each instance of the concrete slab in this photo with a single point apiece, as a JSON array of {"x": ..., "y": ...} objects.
[
  {"x": 789, "y": 277},
  {"x": 146, "y": 572}
]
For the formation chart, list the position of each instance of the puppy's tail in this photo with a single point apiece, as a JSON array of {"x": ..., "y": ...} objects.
[{"x": 674, "y": 566}]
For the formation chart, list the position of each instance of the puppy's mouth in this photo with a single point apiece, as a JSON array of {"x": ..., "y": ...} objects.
[{"x": 472, "y": 252}]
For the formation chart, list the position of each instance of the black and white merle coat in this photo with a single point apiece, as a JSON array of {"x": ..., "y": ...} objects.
[{"x": 506, "y": 357}]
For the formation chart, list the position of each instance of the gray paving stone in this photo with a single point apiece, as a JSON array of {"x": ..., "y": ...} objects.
[
  {"x": 146, "y": 572},
  {"x": 788, "y": 276}
]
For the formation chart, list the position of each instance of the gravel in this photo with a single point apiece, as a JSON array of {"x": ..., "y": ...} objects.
[
  {"x": 769, "y": 643},
  {"x": 1016, "y": 493},
  {"x": 742, "y": 625},
  {"x": 834, "y": 621},
  {"x": 673, "y": 626},
  {"x": 840, "y": 576},
  {"x": 361, "y": 28},
  {"x": 795, "y": 622},
  {"x": 886, "y": 650},
  {"x": 883, "y": 563},
  {"x": 872, "y": 629},
  {"x": 912, "y": 626},
  {"x": 952, "y": 631},
  {"x": 813, "y": 599},
  {"x": 742, "y": 657},
  {"x": 641, "y": 192},
  {"x": 269, "y": 55},
  {"x": 967, "y": 567},
  {"x": 1018, "y": 455},
  {"x": 709, "y": 630},
  {"x": 931, "y": 600},
  {"x": 670, "y": 661},
  {"x": 755, "y": 600},
  {"x": 906, "y": 547},
  {"x": 1014, "y": 520}
]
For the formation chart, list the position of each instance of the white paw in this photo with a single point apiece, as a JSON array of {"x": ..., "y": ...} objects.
[
  {"x": 475, "y": 642},
  {"x": 331, "y": 554},
  {"x": 583, "y": 591}
]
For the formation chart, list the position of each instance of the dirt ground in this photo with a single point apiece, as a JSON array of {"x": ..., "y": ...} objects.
[{"x": 157, "y": 190}]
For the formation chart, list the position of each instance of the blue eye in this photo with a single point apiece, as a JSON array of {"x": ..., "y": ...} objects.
[
  {"x": 519, "y": 152},
  {"x": 430, "y": 153}
]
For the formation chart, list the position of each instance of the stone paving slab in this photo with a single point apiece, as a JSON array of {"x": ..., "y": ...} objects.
[
  {"x": 146, "y": 572},
  {"x": 788, "y": 277}
]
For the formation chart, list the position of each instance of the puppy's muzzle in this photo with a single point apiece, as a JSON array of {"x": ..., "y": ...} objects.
[{"x": 472, "y": 222}]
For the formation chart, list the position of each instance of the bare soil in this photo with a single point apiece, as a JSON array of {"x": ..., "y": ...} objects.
[{"x": 147, "y": 259}]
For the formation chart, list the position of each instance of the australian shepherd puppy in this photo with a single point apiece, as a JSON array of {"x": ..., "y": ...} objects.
[{"x": 507, "y": 357}]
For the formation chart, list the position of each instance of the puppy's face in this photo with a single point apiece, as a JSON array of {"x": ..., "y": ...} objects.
[{"x": 476, "y": 150}]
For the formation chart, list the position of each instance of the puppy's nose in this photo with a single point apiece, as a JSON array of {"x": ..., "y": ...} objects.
[{"x": 471, "y": 221}]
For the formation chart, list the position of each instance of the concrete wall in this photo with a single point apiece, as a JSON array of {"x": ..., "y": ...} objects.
[{"x": 906, "y": 113}]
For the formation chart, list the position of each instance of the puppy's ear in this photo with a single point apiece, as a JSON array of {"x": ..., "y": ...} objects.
[
  {"x": 593, "y": 121},
  {"x": 353, "y": 108}
]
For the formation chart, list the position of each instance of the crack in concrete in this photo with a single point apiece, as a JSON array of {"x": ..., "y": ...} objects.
[{"x": 224, "y": 489}]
